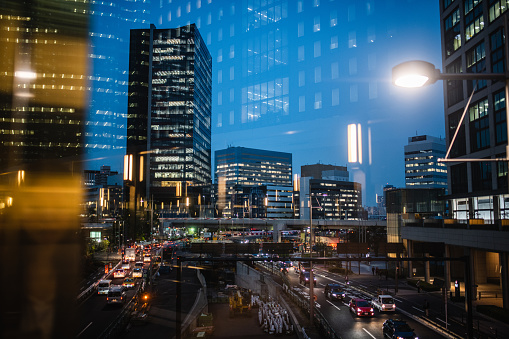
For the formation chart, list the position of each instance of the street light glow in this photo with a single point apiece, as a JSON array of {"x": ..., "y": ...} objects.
[
  {"x": 411, "y": 80},
  {"x": 416, "y": 73}
]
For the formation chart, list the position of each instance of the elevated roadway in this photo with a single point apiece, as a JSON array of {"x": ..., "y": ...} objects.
[{"x": 267, "y": 223}]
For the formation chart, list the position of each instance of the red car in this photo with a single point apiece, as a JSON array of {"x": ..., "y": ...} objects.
[{"x": 361, "y": 307}]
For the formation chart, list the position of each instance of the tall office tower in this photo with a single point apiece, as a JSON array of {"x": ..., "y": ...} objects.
[
  {"x": 43, "y": 58},
  {"x": 239, "y": 167},
  {"x": 168, "y": 133},
  {"x": 293, "y": 74},
  {"x": 422, "y": 168},
  {"x": 105, "y": 125}
]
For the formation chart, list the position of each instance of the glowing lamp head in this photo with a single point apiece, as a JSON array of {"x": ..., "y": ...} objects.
[{"x": 413, "y": 74}]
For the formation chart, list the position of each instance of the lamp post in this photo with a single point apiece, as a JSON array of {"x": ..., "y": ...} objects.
[{"x": 418, "y": 73}]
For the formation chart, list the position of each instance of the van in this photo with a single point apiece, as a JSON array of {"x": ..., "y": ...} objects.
[
  {"x": 103, "y": 287},
  {"x": 116, "y": 295}
]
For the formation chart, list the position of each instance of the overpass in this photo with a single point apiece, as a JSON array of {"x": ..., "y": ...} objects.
[{"x": 268, "y": 224}]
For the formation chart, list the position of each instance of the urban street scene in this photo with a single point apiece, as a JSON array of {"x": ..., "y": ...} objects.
[{"x": 253, "y": 169}]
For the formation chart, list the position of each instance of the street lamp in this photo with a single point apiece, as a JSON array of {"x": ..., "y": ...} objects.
[{"x": 418, "y": 73}]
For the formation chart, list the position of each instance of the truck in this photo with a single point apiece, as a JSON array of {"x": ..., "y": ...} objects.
[
  {"x": 130, "y": 254},
  {"x": 384, "y": 303}
]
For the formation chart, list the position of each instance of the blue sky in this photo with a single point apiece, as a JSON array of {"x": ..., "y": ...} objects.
[{"x": 312, "y": 124}]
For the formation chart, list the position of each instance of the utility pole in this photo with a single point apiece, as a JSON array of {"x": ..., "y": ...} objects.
[{"x": 311, "y": 276}]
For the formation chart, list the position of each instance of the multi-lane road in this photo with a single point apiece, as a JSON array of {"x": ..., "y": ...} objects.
[{"x": 344, "y": 322}]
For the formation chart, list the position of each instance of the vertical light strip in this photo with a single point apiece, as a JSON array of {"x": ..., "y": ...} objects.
[
  {"x": 352, "y": 143},
  {"x": 130, "y": 176},
  {"x": 126, "y": 167},
  {"x": 141, "y": 168},
  {"x": 369, "y": 145},
  {"x": 359, "y": 142}
]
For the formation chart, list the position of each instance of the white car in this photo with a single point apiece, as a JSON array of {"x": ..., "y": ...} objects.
[
  {"x": 137, "y": 273},
  {"x": 119, "y": 273}
]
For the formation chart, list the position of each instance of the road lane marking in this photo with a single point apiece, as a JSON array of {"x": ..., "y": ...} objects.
[
  {"x": 372, "y": 336},
  {"x": 418, "y": 309},
  {"x": 442, "y": 321},
  {"x": 397, "y": 300},
  {"x": 321, "y": 284},
  {"x": 334, "y": 305},
  {"x": 84, "y": 329}
]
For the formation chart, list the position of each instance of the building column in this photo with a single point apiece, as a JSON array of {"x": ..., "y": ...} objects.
[
  {"x": 447, "y": 269},
  {"x": 276, "y": 230},
  {"x": 504, "y": 278},
  {"x": 426, "y": 269},
  {"x": 410, "y": 250},
  {"x": 471, "y": 253}
]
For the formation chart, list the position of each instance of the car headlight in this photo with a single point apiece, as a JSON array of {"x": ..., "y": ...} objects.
[
  {"x": 371, "y": 310},
  {"x": 334, "y": 295}
]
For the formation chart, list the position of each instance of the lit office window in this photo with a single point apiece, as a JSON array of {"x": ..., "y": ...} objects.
[
  {"x": 318, "y": 100},
  {"x": 316, "y": 24},
  {"x": 334, "y": 42},
  {"x": 333, "y": 18},
  {"x": 300, "y": 53},
  {"x": 302, "y": 103},
  {"x": 318, "y": 74},
  {"x": 335, "y": 96},
  {"x": 352, "y": 40},
  {"x": 334, "y": 70},
  {"x": 302, "y": 78},
  {"x": 317, "y": 49}
]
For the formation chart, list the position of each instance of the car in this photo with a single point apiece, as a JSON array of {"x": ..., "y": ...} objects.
[
  {"x": 361, "y": 307},
  {"x": 334, "y": 292},
  {"x": 126, "y": 265},
  {"x": 116, "y": 295},
  {"x": 398, "y": 329},
  {"x": 147, "y": 258},
  {"x": 139, "y": 264},
  {"x": 128, "y": 282},
  {"x": 304, "y": 278},
  {"x": 119, "y": 273},
  {"x": 103, "y": 286},
  {"x": 137, "y": 272}
]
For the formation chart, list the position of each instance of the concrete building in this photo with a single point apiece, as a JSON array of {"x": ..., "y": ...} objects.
[
  {"x": 242, "y": 174},
  {"x": 168, "y": 162},
  {"x": 422, "y": 168}
]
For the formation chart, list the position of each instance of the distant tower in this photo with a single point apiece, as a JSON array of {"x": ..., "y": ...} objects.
[{"x": 422, "y": 169}]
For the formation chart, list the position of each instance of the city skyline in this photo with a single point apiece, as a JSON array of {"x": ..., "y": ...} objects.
[{"x": 294, "y": 83}]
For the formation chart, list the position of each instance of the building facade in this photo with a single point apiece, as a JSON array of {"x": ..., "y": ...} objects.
[
  {"x": 331, "y": 193},
  {"x": 168, "y": 133},
  {"x": 473, "y": 41},
  {"x": 238, "y": 169},
  {"x": 422, "y": 168}
]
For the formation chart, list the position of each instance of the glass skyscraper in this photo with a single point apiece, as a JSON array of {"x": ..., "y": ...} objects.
[
  {"x": 169, "y": 112},
  {"x": 293, "y": 74}
]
